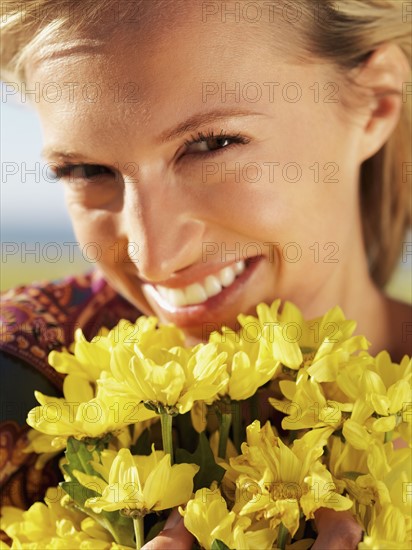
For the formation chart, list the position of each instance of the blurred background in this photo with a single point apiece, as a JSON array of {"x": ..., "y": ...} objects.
[
  {"x": 34, "y": 221},
  {"x": 37, "y": 239}
]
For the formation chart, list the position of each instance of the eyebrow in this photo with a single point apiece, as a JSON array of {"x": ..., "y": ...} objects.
[
  {"x": 50, "y": 152},
  {"x": 191, "y": 124}
]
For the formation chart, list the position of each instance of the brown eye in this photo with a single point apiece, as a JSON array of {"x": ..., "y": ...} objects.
[
  {"x": 203, "y": 144},
  {"x": 210, "y": 144},
  {"x": 80, "y": 171}
]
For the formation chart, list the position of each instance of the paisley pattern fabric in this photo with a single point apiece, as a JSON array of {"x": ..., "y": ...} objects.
[
  {"x": 20, "y": 481},
  {"x": 36, "y": 319}
]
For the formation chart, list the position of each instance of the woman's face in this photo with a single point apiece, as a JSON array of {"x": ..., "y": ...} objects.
[{"x": 217, "y": 149}]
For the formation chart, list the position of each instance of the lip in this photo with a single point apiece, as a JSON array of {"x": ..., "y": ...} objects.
[
  {"x": 213, "y": 309},
  {"x": 194, "y": 275}
]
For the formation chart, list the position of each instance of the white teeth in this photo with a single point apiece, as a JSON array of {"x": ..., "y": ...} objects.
[
  {"x": 176, "y": 297},
  {"x": 212, "y": 285},
  {"x": 197, "y": 293},
  {"x": 164, "y": 292},
  {"x": 227, "y": 276},
  {"x": 239, "y": 267}
]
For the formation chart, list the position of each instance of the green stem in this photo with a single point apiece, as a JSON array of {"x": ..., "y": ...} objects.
[
  {"x": 388, "y": 436},
  {"x": 225, "y": 421},
  {"x": 166, "y": 422},
  {"x": 282, "y": 537},
  {"x": 139, "y": 531},
  {"x": 237, "y": 425},
  {"x": 254, "y": 407}
]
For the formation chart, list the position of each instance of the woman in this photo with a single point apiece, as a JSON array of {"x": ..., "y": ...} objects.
[{"x": 218, "y": 155}]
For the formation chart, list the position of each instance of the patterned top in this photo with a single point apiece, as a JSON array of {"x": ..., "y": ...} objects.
[{"x": 36, "y": 319}]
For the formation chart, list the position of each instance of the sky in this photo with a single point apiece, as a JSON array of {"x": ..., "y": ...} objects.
[
  {"x": 34, "y": 223},
  {"x": 32, "y": 206}
]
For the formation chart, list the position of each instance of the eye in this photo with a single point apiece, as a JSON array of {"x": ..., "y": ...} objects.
[
  {"x": 80, "y": 172},
  {"x": 211, "y": 143}
]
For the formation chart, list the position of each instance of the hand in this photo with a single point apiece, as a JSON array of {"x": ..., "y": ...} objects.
[
  {"x": 173, "y": 536},
  {"x": 336, "y": 530}
]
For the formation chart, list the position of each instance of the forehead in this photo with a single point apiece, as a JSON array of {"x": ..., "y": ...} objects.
[
  {"x": 149, "y": 73},
  {"x": 172, "y": 44}
]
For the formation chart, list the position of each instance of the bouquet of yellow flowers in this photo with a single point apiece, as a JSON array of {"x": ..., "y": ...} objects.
[{"x": 150, "y": 424}]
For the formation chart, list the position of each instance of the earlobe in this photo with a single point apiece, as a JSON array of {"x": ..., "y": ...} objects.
[{"x": 382, "y": 77}]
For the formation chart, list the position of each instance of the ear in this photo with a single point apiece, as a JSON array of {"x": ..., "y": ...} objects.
[{"x": 382, "y": 76}]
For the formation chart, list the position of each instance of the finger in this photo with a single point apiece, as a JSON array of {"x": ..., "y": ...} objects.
[
  {"x": 174, "y": 535},
  {"x": 337, "y": 530},
  {"x": 173, "y": 519}
]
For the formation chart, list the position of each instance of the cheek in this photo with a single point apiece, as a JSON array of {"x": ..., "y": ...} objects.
[
  {"x": 98, "y": 235},
  {"x": 312, "y": 194},
  {"x": 283, "y": 197}
]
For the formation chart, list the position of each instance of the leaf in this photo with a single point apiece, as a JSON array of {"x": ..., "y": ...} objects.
[
  {"x": 203, "y": 457},
  {"x": 219, "y": 545},
  {"x": 78, "y": 492},
  {"x": 119, "y": 526},
  {"x": 78, "y": 455}
]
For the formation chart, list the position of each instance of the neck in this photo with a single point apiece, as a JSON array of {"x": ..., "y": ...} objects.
[
  {"x": 352, "y": 288},
  {"x": 367, "y": 305}
]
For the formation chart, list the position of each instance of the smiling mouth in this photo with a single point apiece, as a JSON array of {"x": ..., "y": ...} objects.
[
  {"x": 200, "y": 292},
  {"x": 210, "y": 293}
]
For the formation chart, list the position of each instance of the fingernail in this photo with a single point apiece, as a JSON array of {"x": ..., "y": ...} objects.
[{"x": 173, "y": 519}]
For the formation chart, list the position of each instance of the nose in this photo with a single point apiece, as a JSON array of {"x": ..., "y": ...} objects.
[{"x": 163, "y": 230}]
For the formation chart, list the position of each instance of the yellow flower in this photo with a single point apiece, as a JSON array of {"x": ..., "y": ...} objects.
[
  {"x": 139, "y": 483},
  {"x": 398, "y": 481},
  {"x": 36, "y": 524},
  {"x": 80, "y": 414},
  {"x": 247, "y": 375},
  {"x": 391, "y": 388},
  {"x": 206, "y": 516},
  {"x": 387, "y": 531},
  {"x": 277, "y": 482},
  {"x": 344, "y": 460},
  {"x": 385, "y": 386},
  {"x": 88, "y": 359},
  {"x": 321, "y": 345},
  {"x": 52, "y": 525},
  {"x": 361, "y": 439},
  {"x": 46, "y": 446},
  {"x": 360, "y": 433},
  {"x": 147, "y": 333},
  {"x": 250, "y": 360},
  {"x": 387, "y": 487},
  {"x": 306, "y": 405},
  {"x": 168, "y": 379}
]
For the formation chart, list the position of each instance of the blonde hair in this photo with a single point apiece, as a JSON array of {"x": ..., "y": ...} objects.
[{"x": 343, "y": 32}]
